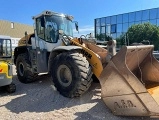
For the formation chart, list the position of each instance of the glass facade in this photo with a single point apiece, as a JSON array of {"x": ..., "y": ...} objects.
[{"x": 116, "y": 25}]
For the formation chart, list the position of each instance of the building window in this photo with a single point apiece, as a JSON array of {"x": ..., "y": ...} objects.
[
  {"x": 158, "y": 13},
  {"x": 145, "y": 21},
  {"x": 102, "y": 21},
  {"x": 138, "y": 16},
  {"x": 16, "y": 41},
  {"x": 132, "y": 17},
  {"x": 153, "y": 22},
  {"x": 103, "y": 30},
  {"x": 113, "y": 20},
  {"x": 97, "y": 30},
  {"x": 108, "y": 28},
  {"x": 108, "y": 20},
  {"x": 97, "y": 22},
  {"x": 113, "y": 35},
  {"x": 125, "y": 27},
  {"x": 131, "y": 23},
  {"x": 145, "y": 15},
  {"x": 125, "y": 18},
  {"x": 113, "y": 28},
  {"x": 119, "y": 27},
  {"x": 153, "y": 13},
  {"x": 119, "y": 35},
  {"x": 137, "y": 22},
  {"x": 119, "y": 18},
  {"x": 13, "y": 41},
  {"x": 157, "y": 22},
  {"x": 12, "y": 25}
]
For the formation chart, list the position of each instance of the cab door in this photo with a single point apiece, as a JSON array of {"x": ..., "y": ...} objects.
[{"x": 40, "y": 50}]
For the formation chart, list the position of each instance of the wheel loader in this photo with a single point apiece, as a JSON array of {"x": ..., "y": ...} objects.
[
  {"x": 129, "y": 78},
  {"x": 6, "y": 64}
]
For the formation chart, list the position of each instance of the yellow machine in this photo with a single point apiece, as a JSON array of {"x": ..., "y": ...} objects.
[
  {"x": 5, "y": 64},
  {"x": 129, "y": 79}
]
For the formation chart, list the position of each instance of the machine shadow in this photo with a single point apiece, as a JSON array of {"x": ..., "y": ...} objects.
[
  {"x": 103, "y": 113},
  {"x": 41, "y": 96}
]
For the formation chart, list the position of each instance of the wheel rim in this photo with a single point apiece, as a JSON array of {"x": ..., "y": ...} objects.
[
  {"x": 64, "y": 75},
  {"x": 21, "y": 69}
]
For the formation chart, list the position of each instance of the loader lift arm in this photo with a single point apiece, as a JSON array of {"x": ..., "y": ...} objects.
[{"x": 91, "y": 56}]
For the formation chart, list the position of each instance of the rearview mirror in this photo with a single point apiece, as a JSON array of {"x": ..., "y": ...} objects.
[{"x": 76, "y": 26}]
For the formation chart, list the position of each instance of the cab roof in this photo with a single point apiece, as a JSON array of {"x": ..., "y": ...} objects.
[{"x": 50, "y": 13}]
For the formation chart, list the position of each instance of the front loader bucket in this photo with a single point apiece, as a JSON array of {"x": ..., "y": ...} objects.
[{"x": 130, "y": 82}]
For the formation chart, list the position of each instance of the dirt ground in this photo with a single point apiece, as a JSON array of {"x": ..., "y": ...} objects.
[{"x": 41, "y": 101}]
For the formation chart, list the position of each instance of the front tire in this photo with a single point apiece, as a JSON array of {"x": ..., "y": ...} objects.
[
  {"x": 71, "y": 74},
  {"x": 23, "y": 67},
  {"x": 11, "y": 88}
]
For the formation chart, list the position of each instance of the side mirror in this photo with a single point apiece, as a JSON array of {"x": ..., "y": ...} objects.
[
  {"x": 26, "y": 37},
  {"x": 76, "y": 26}
]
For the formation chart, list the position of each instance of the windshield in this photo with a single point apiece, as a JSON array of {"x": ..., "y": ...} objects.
[
  {"x": 59, "y": 23},
  {"x": 5, "y": 48}
]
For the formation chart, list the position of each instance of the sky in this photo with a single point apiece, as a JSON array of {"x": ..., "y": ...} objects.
[{"x": 84, "y": 11}]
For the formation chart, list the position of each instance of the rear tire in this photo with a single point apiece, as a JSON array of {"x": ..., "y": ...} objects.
[
  {"x": 23, "y": 67},
  {"x": 71, "y": 74}
]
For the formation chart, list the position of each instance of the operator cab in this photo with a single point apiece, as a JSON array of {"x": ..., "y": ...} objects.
[
  {"x": 47, "y": 27},
  {"x": 5, "y": 47}
]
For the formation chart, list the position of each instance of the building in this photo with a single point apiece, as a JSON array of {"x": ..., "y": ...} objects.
[
  {"x": 116, "y": 25},
  {"x": 14, "y": 30}
]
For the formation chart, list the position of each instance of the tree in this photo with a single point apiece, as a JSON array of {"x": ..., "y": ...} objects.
[
  {"x": 121, "y": 40},
  {"x": 140, "y": 32},
  {"x": 103, "y": 37}
]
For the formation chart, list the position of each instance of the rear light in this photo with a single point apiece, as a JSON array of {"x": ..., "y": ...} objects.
[{"x": 9, "y": 70}]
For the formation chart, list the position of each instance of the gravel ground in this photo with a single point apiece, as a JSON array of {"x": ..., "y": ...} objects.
[{"x": 41, "y": 101}]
